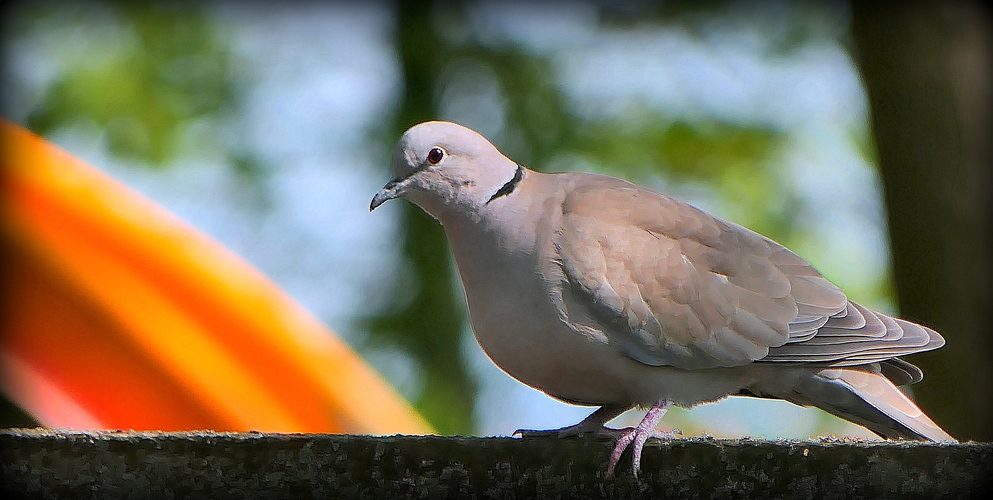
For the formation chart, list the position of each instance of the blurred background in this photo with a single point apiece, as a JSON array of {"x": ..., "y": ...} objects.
[{"x": 857, "y": 136}]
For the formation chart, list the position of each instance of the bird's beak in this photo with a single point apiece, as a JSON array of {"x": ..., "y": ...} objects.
[{"x": 392, "y": 189}]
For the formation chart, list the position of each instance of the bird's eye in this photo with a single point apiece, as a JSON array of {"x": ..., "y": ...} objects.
[{"x": 435, "y": 155}]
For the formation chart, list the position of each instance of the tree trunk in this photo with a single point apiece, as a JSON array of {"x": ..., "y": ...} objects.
[{"x": 926, "y": 68}]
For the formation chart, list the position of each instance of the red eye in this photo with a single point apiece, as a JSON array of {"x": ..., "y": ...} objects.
[{"x": 435, "y": 155}]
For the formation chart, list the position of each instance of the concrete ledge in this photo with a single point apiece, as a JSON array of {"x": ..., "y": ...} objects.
[{"x": 41, "y": 463}]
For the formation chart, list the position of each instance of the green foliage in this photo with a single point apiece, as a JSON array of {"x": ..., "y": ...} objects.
[{"x": 164, "y": 70}]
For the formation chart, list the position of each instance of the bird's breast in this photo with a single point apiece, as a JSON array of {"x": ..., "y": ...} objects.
[{"x": 517, "y": 325}]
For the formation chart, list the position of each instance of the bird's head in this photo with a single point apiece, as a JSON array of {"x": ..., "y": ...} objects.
[{"x": 444, "y": 167}]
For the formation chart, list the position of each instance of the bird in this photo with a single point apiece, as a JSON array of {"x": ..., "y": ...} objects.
[{"x": 603, "y": 293}]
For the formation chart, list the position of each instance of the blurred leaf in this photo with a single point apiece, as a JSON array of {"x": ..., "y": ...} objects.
[{"x": 165, "y": 69}]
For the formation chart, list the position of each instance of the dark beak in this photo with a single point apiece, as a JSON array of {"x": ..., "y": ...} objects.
[{"x": 392, "y": 189}]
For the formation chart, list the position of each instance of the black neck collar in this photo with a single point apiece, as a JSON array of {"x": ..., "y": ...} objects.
[{"x": 510, "y": 185}]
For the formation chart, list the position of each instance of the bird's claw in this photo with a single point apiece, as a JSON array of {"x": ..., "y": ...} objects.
[{"x": 637, "y": 436}]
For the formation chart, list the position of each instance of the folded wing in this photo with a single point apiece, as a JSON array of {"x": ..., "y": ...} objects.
[{"x": 673, "y": 285}]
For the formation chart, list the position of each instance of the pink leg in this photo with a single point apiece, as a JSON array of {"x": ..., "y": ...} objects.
[{"x": 639, "y": 435}]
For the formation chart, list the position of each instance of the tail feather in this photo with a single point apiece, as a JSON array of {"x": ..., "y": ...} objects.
[
  {"x": 900, "y": 372},
  {"x": 871, "y": 400}
]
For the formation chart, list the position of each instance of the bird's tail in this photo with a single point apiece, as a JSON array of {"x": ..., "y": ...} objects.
[{"x": 871, "y": 400}]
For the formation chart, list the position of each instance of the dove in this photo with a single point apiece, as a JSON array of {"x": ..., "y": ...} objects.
[{"x": 600, "y": 292}]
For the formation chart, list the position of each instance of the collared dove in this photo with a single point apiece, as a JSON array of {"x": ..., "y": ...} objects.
[{"x": 600, "y": 292}]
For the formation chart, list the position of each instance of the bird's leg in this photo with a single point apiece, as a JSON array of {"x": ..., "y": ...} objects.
[
  {"x": 625, "y": 437},
  {"x": 639, "y": 435},
  {"x": 593, "y": 423}
]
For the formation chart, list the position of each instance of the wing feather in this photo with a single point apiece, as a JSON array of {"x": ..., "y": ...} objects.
[{"x": 673, "y": 285}]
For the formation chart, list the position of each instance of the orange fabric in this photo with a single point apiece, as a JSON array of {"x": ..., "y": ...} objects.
[{"x": 145, "y": 323}]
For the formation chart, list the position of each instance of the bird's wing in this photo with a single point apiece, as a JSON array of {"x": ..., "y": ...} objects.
[{"x": 673, "y": 285}]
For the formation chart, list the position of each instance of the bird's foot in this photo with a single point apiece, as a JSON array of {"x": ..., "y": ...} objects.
[
  {"x": 592, "y": 423},
  {"x": 637, "y": 436},
  {"x": 632, "y": 435},
  {"x": 570, "y": 431}
]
